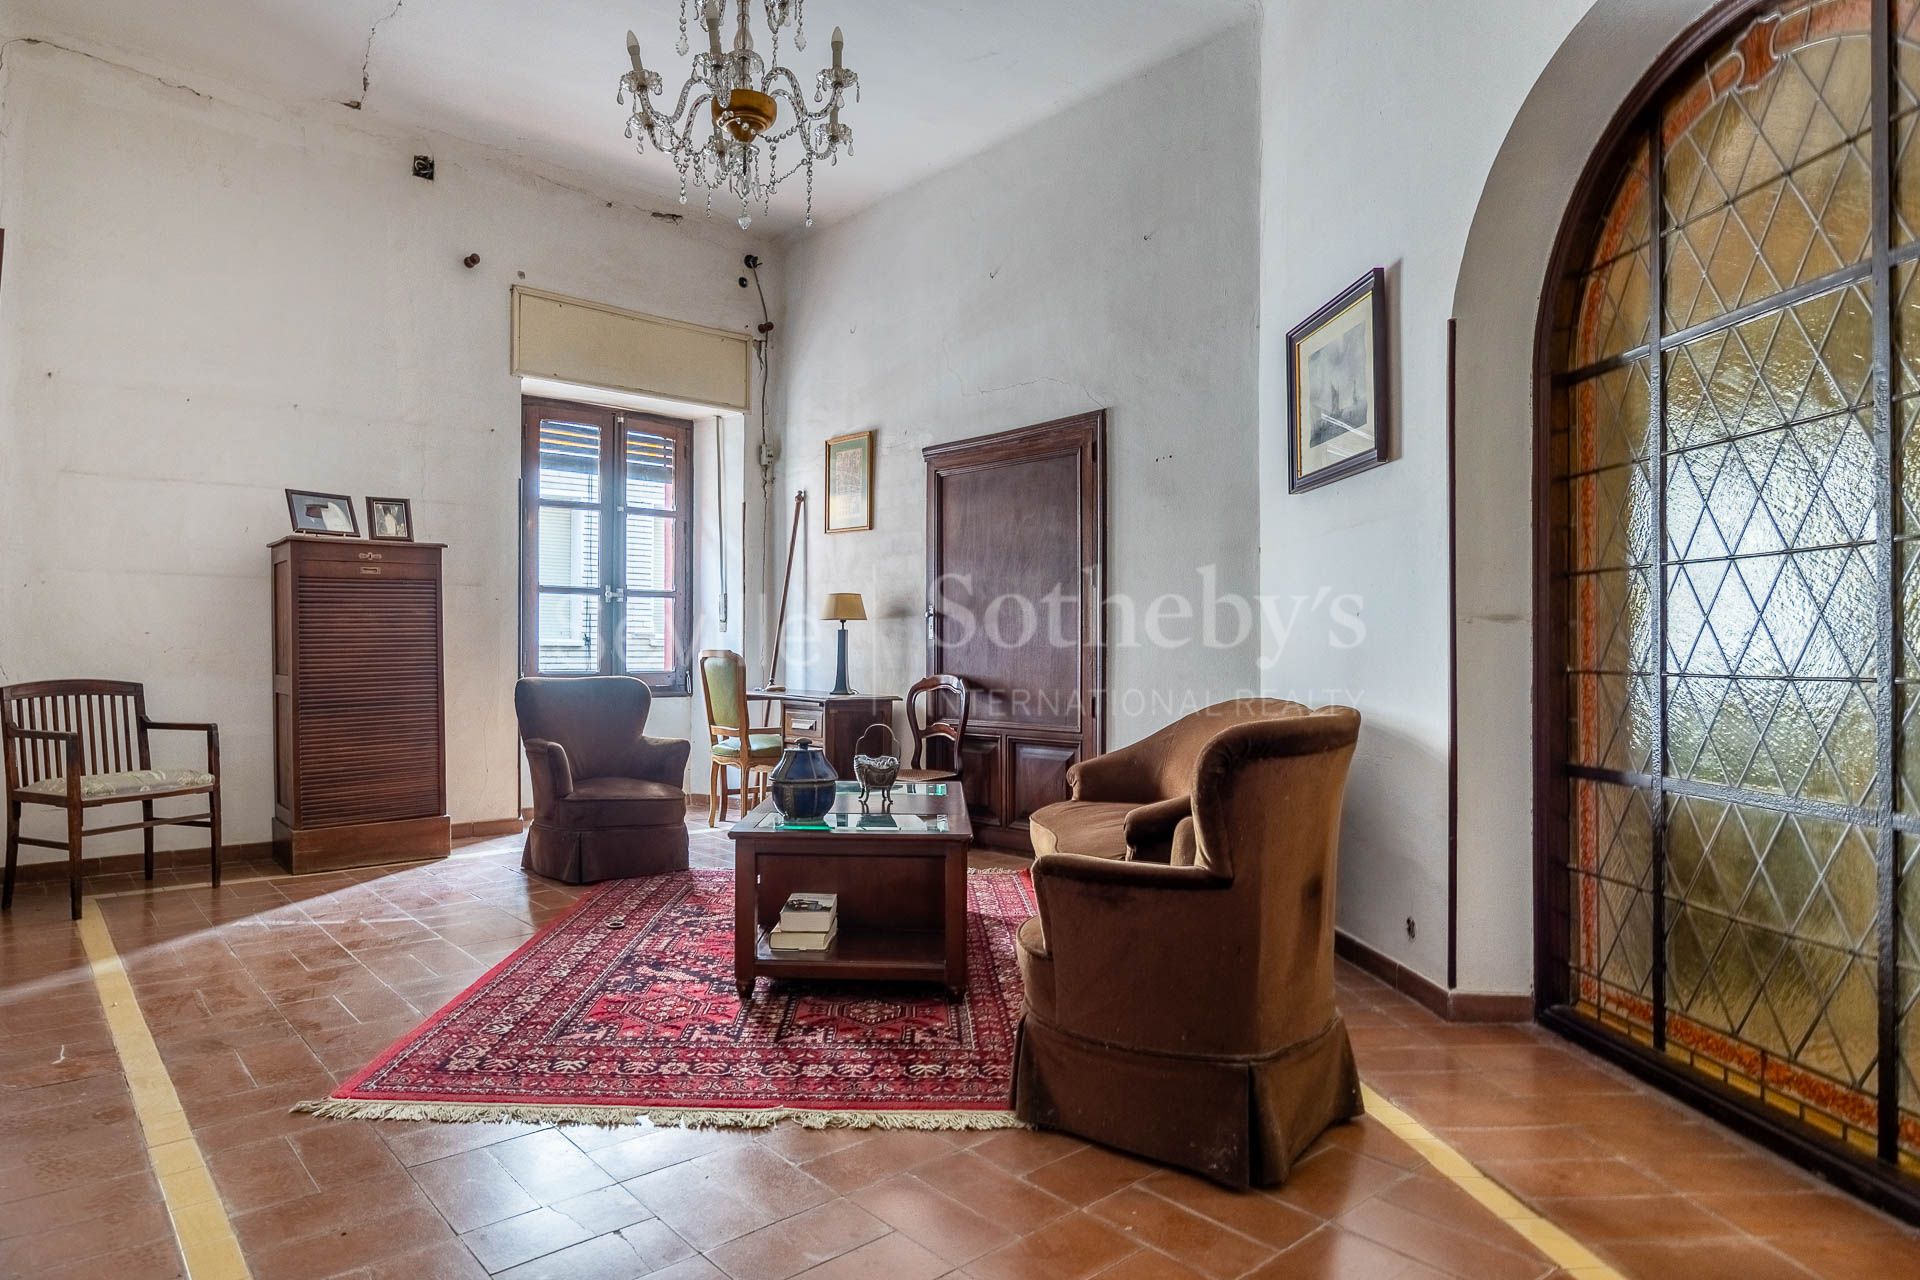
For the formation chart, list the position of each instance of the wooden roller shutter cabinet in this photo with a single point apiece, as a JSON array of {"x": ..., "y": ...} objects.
[{"x": 359, "y": 715}]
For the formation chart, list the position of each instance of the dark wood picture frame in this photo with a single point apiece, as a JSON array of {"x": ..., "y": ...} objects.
[
  {"x": 345, "y": 501},
  {"x": 1374, "y": 283},
  {"x": 406, "y": 506},
  {"x": 866, "y": 444}
]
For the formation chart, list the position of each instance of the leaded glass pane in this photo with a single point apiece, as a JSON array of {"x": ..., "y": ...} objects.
[
  {"x": 1611, "y": 517},
  {"x": 1796, "y": 228},
  {"x": 1770, "y": 949},
  {"x": 1907, "y": 968},
  {"x": 1611, "y": 415},
  {"x": 1804, "y": 361},
  {"x": 1806, "y": 614},
  {"x": 1806, "y": 738},
  {"x": 1729, "y": 527},
  {"x": 1773, "y": 491}
]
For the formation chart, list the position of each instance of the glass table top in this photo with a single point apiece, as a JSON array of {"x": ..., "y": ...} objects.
[{"x": 856, "y": 821}]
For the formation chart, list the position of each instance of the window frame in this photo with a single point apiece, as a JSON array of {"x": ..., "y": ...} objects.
[{"x": 613, "y": 591}]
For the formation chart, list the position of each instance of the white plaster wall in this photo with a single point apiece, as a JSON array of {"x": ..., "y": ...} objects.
[
  {"x": 1104, "y": 259},
  {"x": 206, "y": 300},
  {"x": 1379, "y": 125},
  {"x": 1497, "y": 300}
]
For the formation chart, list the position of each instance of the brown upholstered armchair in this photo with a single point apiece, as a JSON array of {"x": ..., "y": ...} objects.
[
  {"x": 608, "y": 801},
  {"x": 1185, "y": 1012},
  {"x": 1127, "y": 803}
]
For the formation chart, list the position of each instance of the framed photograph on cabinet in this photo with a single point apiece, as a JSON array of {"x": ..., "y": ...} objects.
[
  {"x": 330, "y": 514},
  {"x": 1337, "y": 410},
  {"x": 390, "y": 519},
  {"x": 850, "y": 482}
]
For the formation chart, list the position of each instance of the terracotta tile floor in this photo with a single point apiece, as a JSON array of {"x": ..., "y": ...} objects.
[{"x": 273, "y": 989}]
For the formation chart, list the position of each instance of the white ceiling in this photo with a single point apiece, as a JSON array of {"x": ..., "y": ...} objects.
[{"x": 939, "y": 81}]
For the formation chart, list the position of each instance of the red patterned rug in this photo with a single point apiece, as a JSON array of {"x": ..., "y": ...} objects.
[{"x": 625, "y": 1008}]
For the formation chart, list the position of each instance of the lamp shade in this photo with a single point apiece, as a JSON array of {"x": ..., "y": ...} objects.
[{"x": 845, "y": 606}]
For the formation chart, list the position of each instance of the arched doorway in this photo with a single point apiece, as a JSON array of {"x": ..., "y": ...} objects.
[{"x": 1728, "y": 666}]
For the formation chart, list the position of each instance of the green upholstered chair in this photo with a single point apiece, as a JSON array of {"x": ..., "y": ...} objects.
[{"x": 723, "y": 678}]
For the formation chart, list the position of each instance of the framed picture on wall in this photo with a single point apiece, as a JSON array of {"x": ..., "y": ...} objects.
[
  {"x": 1337, "y": 387},
  {"x": 390, "y": 519},
  {"x": 324, "y": 513},
  {"x": 850, "y": 482}
]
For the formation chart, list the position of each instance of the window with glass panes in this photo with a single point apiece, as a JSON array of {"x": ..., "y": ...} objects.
[
  {"x": 606, "y": 543},
  {"x": 1730, "y": 815}
]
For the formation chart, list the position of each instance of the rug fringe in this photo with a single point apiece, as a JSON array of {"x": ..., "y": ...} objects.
[{"x": 666, "y": 1117}]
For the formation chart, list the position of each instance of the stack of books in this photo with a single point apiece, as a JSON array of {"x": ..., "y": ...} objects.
[{"x": 808, "y": 922}]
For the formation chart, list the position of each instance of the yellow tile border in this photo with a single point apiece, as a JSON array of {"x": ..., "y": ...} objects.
[
  {"x": 1561, "y": 1249},
  {"x": 205, "y": 1235}
]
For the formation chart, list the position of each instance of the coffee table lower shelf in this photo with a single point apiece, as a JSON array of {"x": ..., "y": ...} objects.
[{"x": 887, "y": 955}]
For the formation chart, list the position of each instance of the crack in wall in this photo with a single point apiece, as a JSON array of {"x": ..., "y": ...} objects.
[{"x": 366, "y": 59}]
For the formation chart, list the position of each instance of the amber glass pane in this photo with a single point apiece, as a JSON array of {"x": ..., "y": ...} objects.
[
  {"x": 1906, "y": 54},
  {"x": 1796, "y": 228},
  {"x": 1613, "y": 721},
  {"x": 1907, "y": 967},
  {"x": 1610, "y": 916},
  {"x": 1807, "y": 738},
  {"x": 1770, "y": 943},
  {"x": 1803, "y": 361},
  {"x": 1769, "y": 102},
  {"x": 1611, "y": 617},
  {"x": 1610, "y": 418},
  {"x": 1612, "y": 303},
  {"x": 1906, "y": 328},
  {"x": 1906, "y": 177},
  {"x": 1611, "y": 518}
]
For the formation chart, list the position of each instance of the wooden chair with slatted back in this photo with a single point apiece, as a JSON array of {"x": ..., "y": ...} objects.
[
  {"x": 723, "y": 680},
  {"x": 942, "y": 701},
  {"x": 81, "y": 744}
]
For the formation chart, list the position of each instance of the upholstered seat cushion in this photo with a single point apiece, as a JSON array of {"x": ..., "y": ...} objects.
[
  {"x": 621, "y": 802},
  {"x": 1081, "y": 826},
  {"x": 137, "y": 782},
  {"x": 761, "y": 744}
]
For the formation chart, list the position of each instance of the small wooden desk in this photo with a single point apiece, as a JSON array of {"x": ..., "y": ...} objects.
[
  {"x": 835, "y": 721},
  {"x": 903, "y": 894}
]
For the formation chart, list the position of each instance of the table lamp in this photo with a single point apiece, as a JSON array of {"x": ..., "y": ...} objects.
[{"x": 844, "y": 607}]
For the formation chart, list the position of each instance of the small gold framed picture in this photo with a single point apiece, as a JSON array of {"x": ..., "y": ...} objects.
[{"x": 850, "y": 482}]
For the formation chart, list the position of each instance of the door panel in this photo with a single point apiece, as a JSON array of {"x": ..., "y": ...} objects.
[
  {"x": 1016, "y": 531},
  {"x": 980, "y": 778},
  {"x": 1037, "y": 772}
]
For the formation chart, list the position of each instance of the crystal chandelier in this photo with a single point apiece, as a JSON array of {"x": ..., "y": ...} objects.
[{"x": 741, "y": 97}]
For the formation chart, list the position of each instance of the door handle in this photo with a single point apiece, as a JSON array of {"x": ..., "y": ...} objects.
[
  {"x": 931, "y": 615},
  {"x": 610, "y": 593}
]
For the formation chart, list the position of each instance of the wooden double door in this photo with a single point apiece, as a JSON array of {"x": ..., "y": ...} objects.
[{"x": 1016, "y": 534}]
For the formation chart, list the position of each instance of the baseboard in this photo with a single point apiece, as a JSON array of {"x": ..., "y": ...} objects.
[
  {"x": 489, "y": 827},
  {"x": 134, "y": 863},
  {"x": 1454, "y": 1006}
]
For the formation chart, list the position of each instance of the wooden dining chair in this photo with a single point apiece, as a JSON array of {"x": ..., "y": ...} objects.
[
  {"x": 723, "y": 680},
  {"x": 81, "y": 744},
  {"x": 936, "y": 708}
]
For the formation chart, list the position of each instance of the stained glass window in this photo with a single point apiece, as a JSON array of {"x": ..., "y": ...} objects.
[{"x": 1735, "y": 567}]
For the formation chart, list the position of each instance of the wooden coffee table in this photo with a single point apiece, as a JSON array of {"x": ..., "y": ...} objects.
[{"x": 901, "y": 873}]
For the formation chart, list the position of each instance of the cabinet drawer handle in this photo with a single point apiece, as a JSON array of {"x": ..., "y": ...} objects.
[
  {"x": 370, "y": 569},
  {"x": 799, "y": 725}
]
